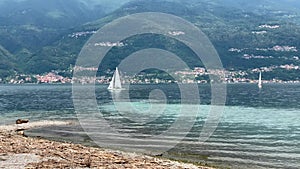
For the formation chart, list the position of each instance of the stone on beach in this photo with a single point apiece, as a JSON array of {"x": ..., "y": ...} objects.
[{"x": 21, "y": 121}]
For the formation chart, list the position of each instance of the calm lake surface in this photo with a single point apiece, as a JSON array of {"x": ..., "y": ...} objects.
[{"x": 258, "y": 128}]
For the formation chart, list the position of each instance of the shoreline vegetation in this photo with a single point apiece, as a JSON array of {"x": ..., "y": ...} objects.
[{"x": 19, "y": 151}]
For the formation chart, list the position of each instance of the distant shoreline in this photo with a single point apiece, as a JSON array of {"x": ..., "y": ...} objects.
[{"x": 268, "y": 82}]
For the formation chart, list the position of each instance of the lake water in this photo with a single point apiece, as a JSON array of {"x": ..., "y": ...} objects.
[{"x": 258, "y": 128}]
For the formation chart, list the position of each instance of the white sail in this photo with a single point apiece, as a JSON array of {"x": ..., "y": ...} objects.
[
  {"x": 115, "y": 83},
  {"x": 118, "y": 84},
  {"x": 259, "y": 81}
]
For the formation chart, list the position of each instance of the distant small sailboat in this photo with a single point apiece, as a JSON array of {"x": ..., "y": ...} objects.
[
  {"x": 115, "y": 83},
  {"x": 259, "y": 81}
]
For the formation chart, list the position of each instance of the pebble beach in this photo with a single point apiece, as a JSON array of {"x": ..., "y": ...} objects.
[{"x": 18, "y": 152}]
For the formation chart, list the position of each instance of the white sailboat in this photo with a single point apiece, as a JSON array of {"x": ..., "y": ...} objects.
[
  {"x": 259, "y": 81},
  {"x": 115, "y": 83}
]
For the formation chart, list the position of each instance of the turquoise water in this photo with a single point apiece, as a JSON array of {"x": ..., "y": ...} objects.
[
  {"x": 246, "y": 137},
  {"x": 258, "y": 128}
]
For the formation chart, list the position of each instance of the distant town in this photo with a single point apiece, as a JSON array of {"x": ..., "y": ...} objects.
[{"x": 197, "y": 75}]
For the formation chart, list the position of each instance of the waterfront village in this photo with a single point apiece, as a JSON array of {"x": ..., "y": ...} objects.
[{"x": 197, "y": 75}]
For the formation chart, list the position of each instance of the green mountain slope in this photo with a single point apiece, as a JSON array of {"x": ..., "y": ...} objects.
[
  {"x": 7, "y": 64},
  {"x": 226, "y": 26},
  {"x": 246, "y": 34},
  {"x": 33, "y": 24}
]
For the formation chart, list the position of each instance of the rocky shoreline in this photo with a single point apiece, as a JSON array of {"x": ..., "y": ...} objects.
[{"x": 17, "y": 151}]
